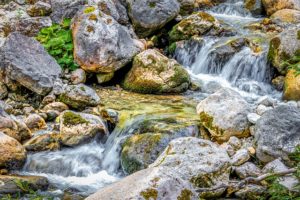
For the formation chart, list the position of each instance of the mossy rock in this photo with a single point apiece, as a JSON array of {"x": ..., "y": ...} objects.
[{"x": 291, "y": 86}]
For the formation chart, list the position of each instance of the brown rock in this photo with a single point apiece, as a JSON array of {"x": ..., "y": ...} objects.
[{"x": 291, "y": 86}]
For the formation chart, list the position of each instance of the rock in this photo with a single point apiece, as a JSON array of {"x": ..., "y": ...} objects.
[
  {"x": 152, "y": 72},
  {"x": 78, "y": 76},
  {"x": 40, "y": 8},
  {"x": 277, "y": 133},
  {"x": 288, "y": 181},
  {"x": 35, "y": 122},
  {"x": 96, "y": 36},
  {"x": 272, "y": 6},
  {"x": 187, "y": 6},
  {"x": 151, "y": 183},
  {"x": 287, "y": 16},
  {"x": 240, "y": 157},
  {"x": 13, "y": 154},
  {"x": 254, "y": 6},
  {"x": 143, "y": 148},
  {"x": 3, "y": 91},
  {"x": 229, "y": 149},
  {"x": 261, "y": 109},
  {"x": 79, "y": 96},
  {"x": 10, "y": 183},
  {"x": 31, "y": 26},
  {"x": 247, "y": 169},
  {"x": 62, "y": 9},
  {"x": 278, "y": 82},
  {"x": 149, "y": 16},
  {"x": 196, "y": 24},
  {"x": 281, "y": 49},
  {"x": 235, "y": 142},
  {"x": 291, "y": 86},
  {"x": 252, "y": 192},
  {"x": 43, "y": 142},
  {"x": 78, "y": 128},
  {"x": 224, "y": 114},
  {"x": 56, "y": 106},
  {"x": 266, "y": 101},
  {"x": 28, "y": 110},
  {"x": 104, "y": 77},
  {"x": 253, "y": 117},
  {"x": 27, "y": 63},
  {"x": 188, "y": 158}
]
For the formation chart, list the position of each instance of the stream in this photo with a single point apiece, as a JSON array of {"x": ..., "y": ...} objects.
[{"x": 87, "y": 168}]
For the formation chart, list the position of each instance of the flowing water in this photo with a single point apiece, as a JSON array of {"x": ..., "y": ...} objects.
[{"x": 91, "y": 166}]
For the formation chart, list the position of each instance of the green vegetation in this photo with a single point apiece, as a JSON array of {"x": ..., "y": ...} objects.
[
  {"x": 89, "y": 10},
  {"x": 149, "y": 194},
  {"x": 57, "y": 40},
  {"x": 71, "y": 118},
  {"x": 293, "y": 63}
]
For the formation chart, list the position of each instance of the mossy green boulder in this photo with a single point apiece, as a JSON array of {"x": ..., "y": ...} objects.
[
  {"x": 154, "y": 73},
  {"x": 291, "y": 89}
]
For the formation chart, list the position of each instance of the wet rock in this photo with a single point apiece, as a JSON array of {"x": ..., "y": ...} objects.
[
  {"x": 291, "y": 86},
  {"x": 273, "y": 6},
  {"x": 149, "y": 16},
  {"x": 3, "y": 91},
  {"x": 277, "y": 133},
  {"x": 27, "y": 63},
  {"x": 35, "y": 122},
  {"x": 104, "y": 77},
  {"x": 40, "y": 8},
  {"x": 251, "y": 192},
  {"x": 240, "y": 157},
  {"x": 253, "y": 117},
  {"x": 247, "y": 169},
  {"x": 266, "y": 101},
  {"x": 142, "y": 149},
  {"x": 222, "y": 126},
  {"x": 78, "y": 76},
  {"x": 153, "y": 72},
  {"x": 45, "y": 142},
  {"x": 12, "y": 153},
  {"x": 31, "y": 26},
  {"x": 254, "y": 6},
  {"x": 62, "y": 9},
  {"x": 288, "y": 181},
  {"x": 79, "y": 96},
  {"x": 287, "y": 16},
  {"x": 78, "y": 128},
  {"x": 281, "y": 49},
  {"x": 96, "y": 36},
  {"x": 10, "y": 183}
]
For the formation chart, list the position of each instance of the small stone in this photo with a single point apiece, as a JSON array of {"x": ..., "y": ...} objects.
[
  {"x": 252, "y": 130},
  {"x": 235, "y": 142},
  {"x": 248, "y": 169},
  {"x": 253, "y": 117},
  {"x": 3, "y": 171},
  {"x": 261, "y": 109},
  {"x": 57, "y": 106},
  {"x": 292, "y": 103},
  {"x": 104, "y": 77},
  {"x": 35, "y": 122},
  {"x": 251, "y": 150},
  {"x": 78, "y": 76},
  {"x": 240, "y": 157},
  {"x": 28, "y": 110},
  {"x": 48, "y": 99},
  {"x": 251, "y": 192},
  {"x": 230, "y": 150},
  {"x": 266, "y": 101}
]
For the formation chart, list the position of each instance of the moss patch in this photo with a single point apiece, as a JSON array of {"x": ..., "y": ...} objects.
[
  {"x": 71, "y": 119},
  {"x": 185, "y": 195},
  {"x": 89, "y": 9},
  {"x": 150, "y": 194}
]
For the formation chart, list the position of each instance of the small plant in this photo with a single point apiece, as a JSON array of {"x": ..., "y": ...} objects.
[
  {"x": 57, "y": 40},
  {"x": 293, "y": 63}
]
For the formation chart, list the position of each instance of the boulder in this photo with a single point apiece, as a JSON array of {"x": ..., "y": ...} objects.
[
  {"x": 79, "y": 128},
  {"x": 56, "y": 106},
  {"x": 13, "y": 154},
  {"x": 9, "y": 183},
  {"x": 248, "y": 169},
  {"x": 287, "y": 16},
  {"x": 101, "y": 44},
  {"x": 31, "y": 26},
  {"x": 240, "y": 157},
  {"x": 40, "y": 8},
  {"x": 149, "y": 16},
  {"x": 152, "y": 72},
  {"x": 272, "y": 6},
  {"x": 254, "y": 6},
  {"x": 291, "y": 89},
  {"x": 252, "y": 192},
  {"x": 62, "y": 9},
  {"x": 277, "y": 133},
  {"x": 224, "y": 114},
  {"x": 35, "y": 122},
  {"x": 45, "y": 142},
  {"x": 79, "y": 96},
  {"x": 27, "y": 62},
  {"x": 78, "y": 76}
]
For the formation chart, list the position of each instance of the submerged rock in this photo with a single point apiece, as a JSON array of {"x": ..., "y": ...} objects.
[
  {"x": 148, "y": 16},
  {"x": 10, "y": 183},
  {"x": 277, "y": 133},
  {"x": 153, "y": 72},
  {"x": 224, "y": 114},
  {"x": 291, "y": 89},
  {"x": 78, "y": 128},
  {"x": 79, "y": 96},
  {"x": 101, "y": 44},
  {"x": 13, "y": 154},
  {"x": 27, "y": 62}
]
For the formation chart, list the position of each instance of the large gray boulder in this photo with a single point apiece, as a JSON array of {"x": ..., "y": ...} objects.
[
  {"x": 101, "y": 44},
  {"x": 224, "y": 114},
  {"x": 27, "y": 62},
  {"x": 187, "y": 163},
  {"x": 148, "y": 16},
  {"x": 277, "y": 133},
  {"x": 62, "y": 9}
]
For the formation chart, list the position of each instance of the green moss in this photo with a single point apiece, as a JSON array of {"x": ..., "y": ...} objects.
[
  {"x": 181, "y": 76},
  {"x": 207, "y": 121},
  {"x": 185, "y": 195},
  {"x": 89, "y": 9},
  {"x": 172, "y": 48},
  {"x": 71, "y": 118},
  {"x": 152, "y": 4},
  {"x": 150, "y": 194},
  {"x": 82, "y": 88},
  {"x": 298, "y": 35}
]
